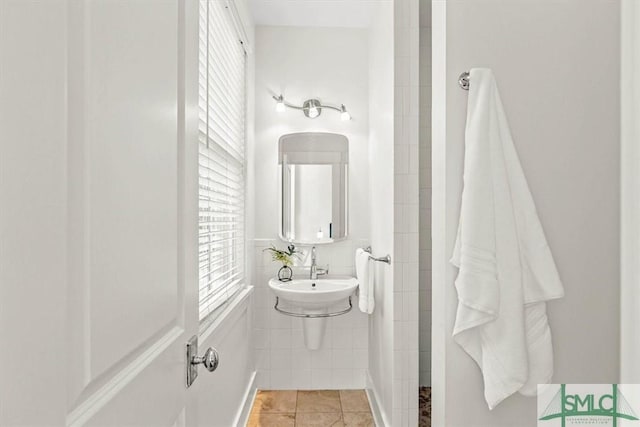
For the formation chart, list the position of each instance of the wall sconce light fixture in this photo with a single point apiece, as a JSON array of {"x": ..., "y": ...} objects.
[{"x": 311, "y": 108}]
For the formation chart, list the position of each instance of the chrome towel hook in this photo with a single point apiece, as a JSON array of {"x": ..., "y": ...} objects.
[{"x": 463, "y": 80}]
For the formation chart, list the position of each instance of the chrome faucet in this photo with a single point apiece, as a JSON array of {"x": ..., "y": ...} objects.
[{"x": 315, "y": 270}]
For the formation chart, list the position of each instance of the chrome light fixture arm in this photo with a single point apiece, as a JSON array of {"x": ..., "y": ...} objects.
[
  {"x": 311, "y": 108},
  {"x": 280, "y": 100}
]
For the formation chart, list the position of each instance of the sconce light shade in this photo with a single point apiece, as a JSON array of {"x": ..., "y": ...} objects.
[
  {"x": 344, "y": 115},
  {"x": 280, "y": 107},
  {"x": 313, "y": 112}
]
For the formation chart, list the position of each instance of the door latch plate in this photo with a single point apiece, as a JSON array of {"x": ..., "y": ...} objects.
[{"x": 192, "y": 351}]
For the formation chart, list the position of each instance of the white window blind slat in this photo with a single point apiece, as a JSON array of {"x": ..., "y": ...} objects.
[
  {"x": 221, "y": 160},
  {"x": 216, "y": 165}
]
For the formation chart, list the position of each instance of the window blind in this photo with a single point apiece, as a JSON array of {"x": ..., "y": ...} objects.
[{"x": 221, "y": 157}]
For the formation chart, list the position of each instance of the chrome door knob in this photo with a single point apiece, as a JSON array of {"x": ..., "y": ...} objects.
[{"x": 210, "y": 359}]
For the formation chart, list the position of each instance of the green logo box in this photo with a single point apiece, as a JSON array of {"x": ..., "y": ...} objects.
[{"x": 569, "y": 405}]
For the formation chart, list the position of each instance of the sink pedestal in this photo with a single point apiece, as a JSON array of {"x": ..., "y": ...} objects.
[{"x": 313, "y": 330}]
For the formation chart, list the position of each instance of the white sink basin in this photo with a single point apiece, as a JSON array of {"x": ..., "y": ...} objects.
[
  {"x": 314, "y": 294},
  {"x": 312, "y": 299}
]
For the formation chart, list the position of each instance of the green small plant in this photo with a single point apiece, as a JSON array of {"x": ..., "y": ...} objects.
[{"x": 285, "y": 257}]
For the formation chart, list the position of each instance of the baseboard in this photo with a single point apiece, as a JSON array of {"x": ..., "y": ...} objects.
[
  {"x": 378, "y": 415},
  {"x": 249, "y": 395}
]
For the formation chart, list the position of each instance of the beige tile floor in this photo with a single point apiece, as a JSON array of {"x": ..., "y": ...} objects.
[{"x": 317, "y": 408}]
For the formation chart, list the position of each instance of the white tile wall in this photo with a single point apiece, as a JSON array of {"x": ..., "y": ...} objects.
[
  {"x": 281, "y": 359},
  {"x": 406, "y": 214}
]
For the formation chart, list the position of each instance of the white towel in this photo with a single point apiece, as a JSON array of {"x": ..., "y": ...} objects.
[
  {"x": 366, "y": 302},
  {"x": 506, "y": 270}
]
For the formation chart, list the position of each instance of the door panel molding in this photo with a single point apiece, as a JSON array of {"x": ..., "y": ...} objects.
[
  {"x": 131, "y": 137},
  {"x": 94, "y": 402}
]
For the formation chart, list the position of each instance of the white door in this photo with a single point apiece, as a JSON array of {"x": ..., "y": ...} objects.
[{"x": 98, "y": 189}]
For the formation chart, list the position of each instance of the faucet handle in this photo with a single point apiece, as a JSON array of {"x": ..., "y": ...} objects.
[{"x": 322, "y": 271}]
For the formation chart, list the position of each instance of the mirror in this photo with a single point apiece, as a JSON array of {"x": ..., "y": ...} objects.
[{"x": 313, "y": 169}]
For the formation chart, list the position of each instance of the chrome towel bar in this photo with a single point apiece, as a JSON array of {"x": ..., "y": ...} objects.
[
  {"x": 385, "y": 259},
  {"x": 312, "y": 316}
]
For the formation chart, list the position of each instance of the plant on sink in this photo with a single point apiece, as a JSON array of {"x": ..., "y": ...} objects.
[{"x": 285, "y": 273}]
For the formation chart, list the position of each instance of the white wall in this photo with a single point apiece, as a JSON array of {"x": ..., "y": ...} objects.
[
  {"x": 381, "y": 153},
  {"x": 557, "y": 66},
  {"x": 330, "y": 64},
  {"x": 301, "y": 63}
]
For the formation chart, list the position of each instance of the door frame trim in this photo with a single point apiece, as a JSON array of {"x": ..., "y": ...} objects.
[{"x": 629, "y": 192}]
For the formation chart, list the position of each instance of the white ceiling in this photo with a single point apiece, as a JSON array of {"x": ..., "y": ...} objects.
[{"x": 313, "y": 13}]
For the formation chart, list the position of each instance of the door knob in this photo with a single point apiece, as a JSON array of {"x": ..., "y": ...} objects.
[{"x": 210, "y": 359}]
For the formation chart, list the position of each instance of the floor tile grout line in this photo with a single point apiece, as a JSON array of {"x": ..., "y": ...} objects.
[{"x": 341, "y": 408}]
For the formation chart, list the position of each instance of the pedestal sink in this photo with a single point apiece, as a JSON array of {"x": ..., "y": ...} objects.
[{"x": 311, "y": 300}]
